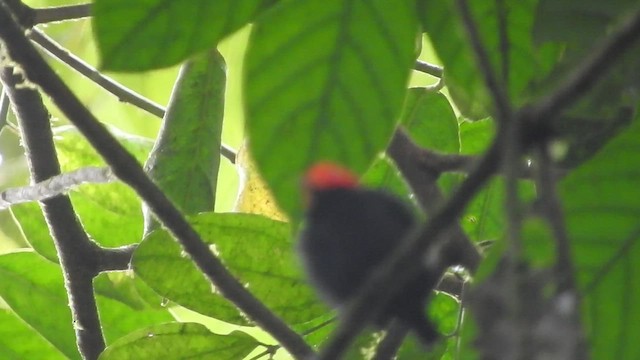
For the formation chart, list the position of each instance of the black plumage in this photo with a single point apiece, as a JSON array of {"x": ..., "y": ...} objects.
[{"x": 347, "y": 233}]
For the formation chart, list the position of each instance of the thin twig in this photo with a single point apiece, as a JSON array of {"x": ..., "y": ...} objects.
[
  {"x": 505, "y": 45},
  {"x": 126, "y": 168},
  {"x": 425, "y": 67},
  {"x": 54, "y": 186},
  {"x": 123, "y": 93},
  {"x": 499, "y": 96},
  {"x": 552, "y": 212},
  {"x": 512, "y": 154},
  {"x": 4, "y": 108},
  {"x": 61, "y": 13}
]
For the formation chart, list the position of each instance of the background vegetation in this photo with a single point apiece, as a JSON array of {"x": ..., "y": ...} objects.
[{"x": 512, "y": 125}]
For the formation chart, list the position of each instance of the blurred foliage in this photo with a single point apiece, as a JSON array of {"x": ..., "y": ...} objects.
[{"x": 318, "y": 80}]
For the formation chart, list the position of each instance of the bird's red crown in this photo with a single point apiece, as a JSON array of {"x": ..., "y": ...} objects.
[{"x": 327, "y": 175}]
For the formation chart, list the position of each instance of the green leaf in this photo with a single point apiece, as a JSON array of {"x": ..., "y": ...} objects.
[
  {"x": 34, "y": 289},
  {"x": 430, "y": 120},
  {"x": 180, "y": 341},
  {"x": 19, "y": 341},
  {"x": 579, "y": 23},
  {"x": 110, "y": 213},
  {"x": 518, "y": 68},
  {"x": 119, "y": 319},
  {"x": 185, "y": 159},
  {"x": 145, "y": 35},
  {"x": 580, "y": 26},
  {"x": 256, "y": 249},
  {"x": 33, "y": 226},
  {"x": 325, "y": 80},
  {"x": 476, "y": 136},
  {"x": 444, "y": 311},
  {"x": 602, "y": 205}
]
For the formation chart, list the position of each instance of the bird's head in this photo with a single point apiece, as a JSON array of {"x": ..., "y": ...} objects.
[{"x": 326, "y": 175}]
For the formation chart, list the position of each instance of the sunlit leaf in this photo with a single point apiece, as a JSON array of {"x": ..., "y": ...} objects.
[
  {"x": 180, "y": 341},
  {"x": 144, "y": 35},
  {"x": 19, "y": 341},
  {"x": 325, "y": 80},
  {"x": 256, "y": 249},
  {"x": 185, "y": 159},
  {"x": 33, "y": 286}
]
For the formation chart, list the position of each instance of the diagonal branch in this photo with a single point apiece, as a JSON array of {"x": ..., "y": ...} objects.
[
  {"x": 593, "y": 68},
  {"x": 126, "y": 167},
  {"x": 123, "y": 93}
]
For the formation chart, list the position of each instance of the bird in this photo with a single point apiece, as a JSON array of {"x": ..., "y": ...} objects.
[{"x": 347, "y": 231}]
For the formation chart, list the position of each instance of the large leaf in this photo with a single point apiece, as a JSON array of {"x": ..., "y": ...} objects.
[
  {"x": 431, "y": 121},
  {"x": 34, "y": 289},
  {"x": 185, "y": 159},
  {"x": 602, "y": 206},
  {"x": 110, "y": 213},
  {"x": 610, "y": 106},
  {"x": 325, "y": 80},
  {"x": 144, "y": 35},
  {"x": 520, "y": 65},
  {"x": 19, "y": 341},
  {"x": 257, "y": 250},
  {"x": 180, "y": 341}
]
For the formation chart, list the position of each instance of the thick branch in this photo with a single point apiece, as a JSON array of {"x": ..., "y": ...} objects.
[
  {"x": 417, "y": 167},
  {"x": 75, "y": 249},
  {"x": 126, "y": 167}
]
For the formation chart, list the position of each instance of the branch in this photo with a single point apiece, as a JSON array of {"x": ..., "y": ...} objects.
[
  {"x": 496, "y": 88},
  {"x": 421, "y": 168},
  {"x": 552, "y": 212},
  {"x": 4, "y": 109},
  {"x": 123, "y": 93},
  {"x": 54, "y": 186},
  {"x": 75, "y": 249},
  {"x": 61, "y": 13},
  {"x": 425, "y": 67},
  {"x": 126, "y": 168},
  {"x": 594, "y": 67}
]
